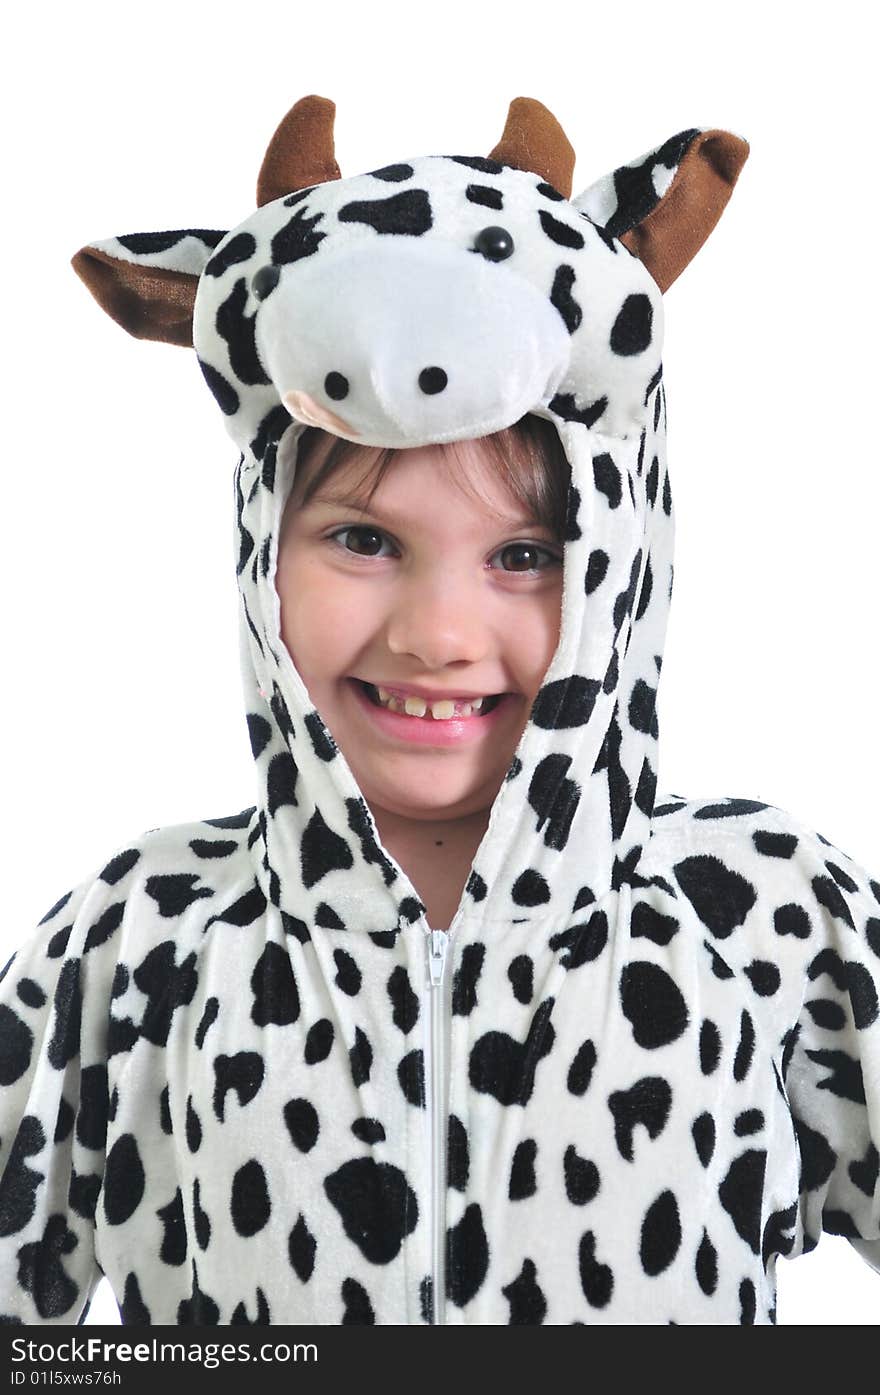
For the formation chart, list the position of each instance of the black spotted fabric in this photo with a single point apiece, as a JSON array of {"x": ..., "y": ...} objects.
[{"x": 652, "y": 1065}]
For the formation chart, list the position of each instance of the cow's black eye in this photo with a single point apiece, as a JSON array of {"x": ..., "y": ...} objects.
[
  {"x": 494, "y": 243},
  {"x": 264, "y": 281}
]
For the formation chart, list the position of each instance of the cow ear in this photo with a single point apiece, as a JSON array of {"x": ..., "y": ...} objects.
[
  {"x": 664, "y": 205},
  {"x": 147, "y": 282}
]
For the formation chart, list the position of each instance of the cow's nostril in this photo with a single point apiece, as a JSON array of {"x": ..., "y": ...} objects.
[
  {"x": 336, "y": 386},
  {"x": 432, "y": 380}
]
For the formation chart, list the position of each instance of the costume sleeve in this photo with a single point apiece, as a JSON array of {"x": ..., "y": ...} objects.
[
  {"x": 54, "y": 1010},
  {"x": 832, "y": 1077}
]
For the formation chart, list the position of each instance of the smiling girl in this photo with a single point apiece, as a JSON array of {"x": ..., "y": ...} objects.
[
  {"x": 460, "y": 1022},
  {"x": 423, "y": 634}
]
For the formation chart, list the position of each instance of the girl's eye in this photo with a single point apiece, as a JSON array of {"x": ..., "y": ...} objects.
[
  {"x": 525, "y": 557},
  {"x": 367, "y": 540}
]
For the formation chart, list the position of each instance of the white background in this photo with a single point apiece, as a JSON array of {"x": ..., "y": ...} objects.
[{"x": 121, "y": 701}]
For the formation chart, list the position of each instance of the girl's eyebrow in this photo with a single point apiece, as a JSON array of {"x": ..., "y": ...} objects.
[{"x": 344, "y": 500}]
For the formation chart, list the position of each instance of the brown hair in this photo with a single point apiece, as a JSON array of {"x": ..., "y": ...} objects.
[{"x": 527, "y": 456}]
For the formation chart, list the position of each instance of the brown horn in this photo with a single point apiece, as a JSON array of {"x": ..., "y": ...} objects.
[
  {"x": 534, "y": 140},
  {"x": 300, "y": 152}
]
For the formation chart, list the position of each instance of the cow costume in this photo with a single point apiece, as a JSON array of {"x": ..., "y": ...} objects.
[{"x": 240, "y": 1073}]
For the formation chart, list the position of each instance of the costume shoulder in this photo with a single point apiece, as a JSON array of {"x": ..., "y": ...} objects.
[
  {"x": 800, "y": 920},
  {"x": 75, "y": 997}
]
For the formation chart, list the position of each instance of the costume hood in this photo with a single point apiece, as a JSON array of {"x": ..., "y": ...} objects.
[{"x": 441, "y": 298}]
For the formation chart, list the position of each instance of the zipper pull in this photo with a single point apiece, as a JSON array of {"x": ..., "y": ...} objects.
[{"x": 437, "y": 955}]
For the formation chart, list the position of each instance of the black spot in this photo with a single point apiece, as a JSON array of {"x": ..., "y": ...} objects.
[
  {"x": 528, "y": 1306},
  {"x": 30, "y": 993},
  {"x": 411, "y": 1078},
  {"x": 124, "y": 1180},
  {"x": 648, "y": 921},
  {"x": 522, "y": 1182},
  {"x": 242, "y": 1073},
  {"x": 360, "y": 1057},
  {"x": 565, "y": 703},
  {"x": 318, "y": 1041},
  {"x": 322, "y": 851},
  {"x": 774, "y": 844},
  {"x": 376, "y": 1205},
  {"x": 741, "y": 1193},
  {"x": 653, "y": 1004},
  {"x": 173, "y": 1249},
  {"x": 298, "y": 238},
  {"x": 237, "y": 328},
  {"x": 584, "y": 942},
  {"x": 530, "y": 889},
  {"x": 703, "y": 1134},
  {"x": 91, "y": 1119},
  {"x": 597, "y": 567},
  {"x": 464, "y": 987},
  {"x": 558, "y": 232},
  {"x": 303, "y": 1125},
  {"x": 562, "y": 299},
  {"x": 564, "y": 404},
  {"x": 348, "y": 975},
  {"x": 209, "y": 1016},
  {"x": 554, "y": 799},
  {"x": 467, "y": 1256},
  {"x": 301, "y": 1249},
  {"x": 168, "y": 986},
  {"x": 237, "y": 249},
  {"x": 484, "y": 195},
  {"x": 406, "y": 212},
  {"x": 457, "y": 1159},
  {"x": 19, "y": 1183},
  {"x": 581, "y": 1177},
  {"x": 505, "y": 1068},
  {"x": 580, "y": 1072},
  {"x": 369, "y": 1130},
  {"x": 281, "y": 778},
  {"x": 764, "y": 977},
  {"x": 142, "y": 244},
  {"x": 16, "y": 1042},
  {"x": 404, "y": 1000},
  {"x": 710, "y": 1047},
  {"x": 276, "y": 999},
  {"x": 647, "y": 1102},
  {"x": 520, "y": 972},
  {"x": 661, "y": 1234},
  {"x": 132, "y": 1308},
  {"x": 631, "y": 332},
  {"x": 193, "y": 1127},
  {"x": 64, "y": 1045},
  {"x": 721, "y": 897},
  {"x": 707, "y": 1266},
  {"x": 597, "y": 1280},
  {"x": 249, "y": 1204},
  {"x": 607, "y": 478},
  {"x": 201, "y": 1218},
  {"x": 358, "y": 1308},
  {"x": 42, "y": 1274},
  {"x": 792, "y": 919},
  {"x": 393, "y": 174}
]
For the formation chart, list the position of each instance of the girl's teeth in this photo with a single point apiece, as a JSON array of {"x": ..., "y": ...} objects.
[{"x": 441, "y": 710}]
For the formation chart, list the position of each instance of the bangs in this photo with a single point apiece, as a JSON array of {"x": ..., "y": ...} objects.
[{"x": 527, "y": 457}]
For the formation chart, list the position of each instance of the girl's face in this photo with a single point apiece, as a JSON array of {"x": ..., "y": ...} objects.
[{"x": 428, "y": 594}]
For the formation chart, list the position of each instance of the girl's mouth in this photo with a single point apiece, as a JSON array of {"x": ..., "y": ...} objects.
[
  {"x": 443, "y": 723},
  {"x": 442, "y": 710}
]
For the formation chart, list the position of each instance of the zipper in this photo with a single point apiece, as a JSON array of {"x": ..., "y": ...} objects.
[{"x": 437, "y": 943}]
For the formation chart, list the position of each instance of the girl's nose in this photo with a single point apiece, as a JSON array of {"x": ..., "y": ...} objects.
[{"x": 439, "y": 622}]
